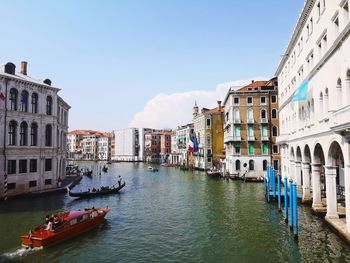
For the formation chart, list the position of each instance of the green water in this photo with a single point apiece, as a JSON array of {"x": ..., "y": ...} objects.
[{"x": 172, "y": 216}]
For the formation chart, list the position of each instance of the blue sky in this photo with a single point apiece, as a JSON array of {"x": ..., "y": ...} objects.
[{"x": 111, "y": 58}]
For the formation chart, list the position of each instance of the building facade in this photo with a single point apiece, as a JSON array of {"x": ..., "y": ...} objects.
[
  {"x": 251, "y": 129},
  {"x": 314, "y": 93},
  {"x": 208, "y": 129},
  {"x": 179, "y": 147},
  {"x": 33, "y": 129}
]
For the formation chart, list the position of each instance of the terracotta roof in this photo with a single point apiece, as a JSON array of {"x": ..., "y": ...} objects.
[
  {"x": 214, "y": 110},
  {"x": 255, "y": 84},
  {"x": 89, "y": 132}
]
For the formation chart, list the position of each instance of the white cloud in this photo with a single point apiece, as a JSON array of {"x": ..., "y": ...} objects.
[{"x": 172, "y": 110}]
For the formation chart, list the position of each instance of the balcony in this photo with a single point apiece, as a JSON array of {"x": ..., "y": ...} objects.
[
  {"x": 250, "y": 121},
  {"x": 237, "y": 121},
  {"x": 231, "y": 138},
  {"x": 237, "y": 138},
  {"x": 264, "y": 138},
  {"x": 251, "y": 138},
  {"x": 264, "y": 121}
]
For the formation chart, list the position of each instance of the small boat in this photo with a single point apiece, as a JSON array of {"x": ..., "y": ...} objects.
[
  {"x": 105, "y": 169},
  {"x": 87, "y": 173},
  {"x": 109, "y": 162},
  {"x": 69, "y": 225},
  {"x": 103, "y": 191},
  {"x": 216, "y": 174},
  {"x": 153, "y": 169}
]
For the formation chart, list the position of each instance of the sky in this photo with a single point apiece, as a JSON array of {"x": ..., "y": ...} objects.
[{"x": 143, "y": 63}]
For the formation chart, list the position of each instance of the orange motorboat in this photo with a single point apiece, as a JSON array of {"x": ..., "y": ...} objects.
[{"x": 66, "y": 225}]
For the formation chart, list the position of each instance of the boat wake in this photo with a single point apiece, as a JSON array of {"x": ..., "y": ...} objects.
[{"x": 19, "y": 252}]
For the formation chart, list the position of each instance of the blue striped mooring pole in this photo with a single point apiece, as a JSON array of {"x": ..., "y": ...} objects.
[
  {"x": 273, "y": 175},
  {"x": 290, "y": 204},
  {"x": 285, "y": 199},
  {"x": 279, "y": 191},
  {"x": 295, "y": 212}
]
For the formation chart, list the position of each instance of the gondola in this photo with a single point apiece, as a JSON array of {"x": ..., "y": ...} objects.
[
  {"x": 105, "y": 169},
  {"x": 87, "y": 173},
  {"x": 215, "y": 174},
  {"x": 88, "y": 194}
]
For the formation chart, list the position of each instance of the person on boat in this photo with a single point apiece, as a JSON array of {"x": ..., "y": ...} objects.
[
  {"x": 119, "y": 181},
  {"x": 50, "y": 224},
  {"x": 56, "y": 222}
]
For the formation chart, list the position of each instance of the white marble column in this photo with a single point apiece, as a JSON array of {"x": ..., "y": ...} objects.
[
  {"x": 316, "y": 186},
  {"x": 306, "y": 181},
  {"x": 298, "y": 173},
  {"x": 331, "y": 192},
  {"x": 347, "y": 196}
]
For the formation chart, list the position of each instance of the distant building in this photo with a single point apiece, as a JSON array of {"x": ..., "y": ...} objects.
[
  {"x": 179, "y": 146},
  {"x": 33, "y": 129},
  {"x": 251, "y": 129},
  {"x": 130, "y": 144},
  {"x": 208, "y": 129},
  {"x": 104, "y": 147}
]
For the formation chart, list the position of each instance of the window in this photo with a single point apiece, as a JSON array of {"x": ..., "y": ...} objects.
[
  {"x": 208, "y": 139},
  {"x": 13, "y": 99},
  {"x": 32, "y": 183},
  {"x": 274, "y": 131},
  {"x": 236, "y": 101},
  {"x": 319, "y": 10},
  {"x": 275, "y": 149},
  {"x": 48, "y": 165},
  {"x": 237, "y": 148},
  {"x": 11, "y": 186},
  {"x": 238, "y": 165},
  {"x": 34, "y": 134},
  {"x": 11, "y": 167},
  {"x": 209, "y": 151},
  {"x": 263, "y": 114},
  {"x": 209, "y": 159},
  {"x": 208, "y": 123},
  {"x": 262, "y": 100},
  {"x": 49, "y": 105},
  {"x": 48, "y": 181},
  {"x": 251, "y": 165},
  {"x": 250, "y": 131},
  {"x": 23, "y": 138},
  {"x": 273, "y": 98},
  {"x": 264, "y": 165},
  {"x": 264, "y": 131},
  {"x": 275, "y": 165},
  {"x": 48, "y": 135},
  {"x": 250, "y": 115},
  {"x": 22, "y": 166},
  {"x": 32, "y": 165},
  {"x": 24, "y": 101},
  {"x": 12, "y": 133},
  {"x": 250, "y": 100},
  {"x": 265, "y": 149},
  {"x": 274, "y": 114},
  {"x": 237, "y": 115},
  {"x": 237, "y": 132},
  {"x": 336, "y": 25},
  {"x": 251, "y": 149},
  {"x": 34, "y": 103}
]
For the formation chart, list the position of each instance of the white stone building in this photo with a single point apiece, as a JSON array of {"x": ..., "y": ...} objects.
[
  {"x": 103, "y": 147},
  {"x": 33, "y": 129},
  {"x": 179, "y": 146},
  {"x": 130, "y": 144},
  {"x": 314, "y": 94}
]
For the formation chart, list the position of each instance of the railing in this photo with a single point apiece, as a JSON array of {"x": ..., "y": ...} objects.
[
  {"x": 264, "y": 138},
  {"x": 237, "y": 121},
  {"x": 264, "y": 120},
  {"x": 251, "y": 138},
  {"x": 250, "y": 121},
  {"x": 340, "y": 193},
  {"x": 237, "y": 138}
]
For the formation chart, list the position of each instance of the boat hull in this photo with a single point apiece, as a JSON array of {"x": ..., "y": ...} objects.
[{"x": 43, "y": 238}]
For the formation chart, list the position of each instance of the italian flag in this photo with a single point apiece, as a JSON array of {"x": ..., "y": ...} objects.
[{"x": 191, "y": 145}]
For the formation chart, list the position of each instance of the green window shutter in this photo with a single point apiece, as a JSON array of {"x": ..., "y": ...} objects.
[
  {"x": 251, "y": 149},
  {"x": 265, "y": 149}
]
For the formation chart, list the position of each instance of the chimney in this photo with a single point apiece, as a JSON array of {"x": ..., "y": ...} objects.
[
  {"x": 253, "y": 81},
  {"x": 24, "y": 67},
  {"x": 219, "y": 104}
]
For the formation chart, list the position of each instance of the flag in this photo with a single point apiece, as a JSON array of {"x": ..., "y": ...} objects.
[
  {"x": 195, "y": 144},
  {"x": 301, "y": 94},
  {"x": 191, "y": 144},
  {"x": 2, "y": 96}
]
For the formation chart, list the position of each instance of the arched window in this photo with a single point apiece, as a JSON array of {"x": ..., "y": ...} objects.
[
  {"x": 34, "y": 134},
  {"x": 264, "y": 165},
  {"x": 339, "y": 93},
  {"x": 251, "y": 165},
  {"x": 49, "y": 105},
  {"x": 250, "y": 116},
  {"x": 274, "y": 114},
  {"x": 237, "y": 115},
  {"x": 321, "y": 105},
  {"x": 24, "y": 101},
  {"x": 48, "y": 135},
  {"x": 12, "y": 133},
  {"x": 35, "y": 100},
  {"x": 263, "y": 114},
  {"x": 13, "y": 99},
  {"x": 23, "y": 134},
  {"x": 274, "y": 131},
  {"x": 326, "y": 99},
  {"x": 238, "y": 165}
]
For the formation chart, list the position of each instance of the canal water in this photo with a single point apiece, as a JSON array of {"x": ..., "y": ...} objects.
[{"x": 172, "y": 216}]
